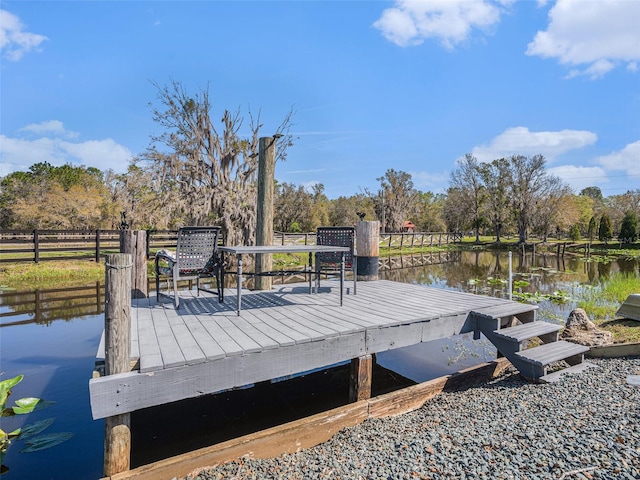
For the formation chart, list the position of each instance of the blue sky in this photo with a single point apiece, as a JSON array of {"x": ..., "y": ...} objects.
[{"x": 374, "y": 84}]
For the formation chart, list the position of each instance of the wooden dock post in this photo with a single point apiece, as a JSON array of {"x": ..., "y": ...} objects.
[
  {"x": 264, "y": 218},
  {"x": 368, "y": 249},
  {"x": 360, "y": 376},
  {"x": 134, "y": 242},
  {"x": 117, "y": 329}
]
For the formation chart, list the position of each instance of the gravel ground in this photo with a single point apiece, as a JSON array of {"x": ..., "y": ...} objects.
[{"x": 585, "y": 426}]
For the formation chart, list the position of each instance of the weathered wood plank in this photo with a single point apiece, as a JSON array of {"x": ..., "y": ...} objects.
[{"x": 115, "y": 394}]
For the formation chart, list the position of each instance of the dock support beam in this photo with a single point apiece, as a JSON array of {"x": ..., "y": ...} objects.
[
  {"x": 368, "y": 248},
  {"x": 117, "y": 329},
  {"x": 360, "y": 376},
  {"x": 264, "y": 214},
  {"x": 134, "y": 242}
]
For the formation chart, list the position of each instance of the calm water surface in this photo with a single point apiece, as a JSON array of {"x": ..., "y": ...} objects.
[{"x": 57, "y": 358}]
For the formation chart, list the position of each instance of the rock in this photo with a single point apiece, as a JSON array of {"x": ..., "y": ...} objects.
[{"x": 580, "y": 329}]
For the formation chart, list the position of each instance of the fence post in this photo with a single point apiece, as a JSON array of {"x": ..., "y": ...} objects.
[
  {"x": 98, "y": 246},
  {"x": 36, "y": 246},
  {"x": 134, "y": 243},
  {"x": 117, "y": 329}
]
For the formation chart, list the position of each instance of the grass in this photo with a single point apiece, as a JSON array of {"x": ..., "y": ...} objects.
[
  {"x": 49, "y": 274},
  {"x": 602, "y": 302}
]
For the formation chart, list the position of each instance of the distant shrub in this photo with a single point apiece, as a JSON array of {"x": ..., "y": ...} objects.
[
  {"x": 629, "y": 228},
  {"x": 605, "y": 232},
  {"x": 574, "y": 233}
]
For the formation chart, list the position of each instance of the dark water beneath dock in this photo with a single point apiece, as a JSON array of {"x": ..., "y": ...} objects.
[{"x": 55, "y": 348}]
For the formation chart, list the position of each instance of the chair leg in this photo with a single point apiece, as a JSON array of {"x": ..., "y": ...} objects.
[
  {"x": 220, "y": 283},
  {"x": 355, "y": 277},
  {"x": 175, "y": 286}
]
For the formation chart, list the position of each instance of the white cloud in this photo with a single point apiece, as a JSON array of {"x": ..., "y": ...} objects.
[
  {"x": 627, "y": 159},
  {"x": 521, "y": 141},
  {"x": 596, "y": 36},
  {"x": 579, "y": 177},
  {"x": 20, "y": 153},
  {"x": 428, "y": 181},
  {"x": 14, "y": 41},
  {"x": 55, "y": 127},
  {"x": 411, "y": 22}
]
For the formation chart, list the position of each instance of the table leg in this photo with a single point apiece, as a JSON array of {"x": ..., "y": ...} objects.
[
  {"x": 310, "y": 270},
  {"x": 342, "y": 262},
  {"x": 239, "y": 280}
]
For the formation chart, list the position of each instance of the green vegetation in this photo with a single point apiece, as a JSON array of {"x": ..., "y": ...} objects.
[
  {"x": 629, "y": 228},
  {"x": 50, "y": 274},
  {"x": 27, "y": 433}
]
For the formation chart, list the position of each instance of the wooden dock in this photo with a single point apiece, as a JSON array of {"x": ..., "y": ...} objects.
[{"x": 204, "y": 347}]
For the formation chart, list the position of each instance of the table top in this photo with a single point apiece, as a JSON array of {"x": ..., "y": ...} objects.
[{"x": 242, "y": 249}]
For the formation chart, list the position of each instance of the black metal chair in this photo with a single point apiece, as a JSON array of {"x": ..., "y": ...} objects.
[
  {"x": 329, "y": 262},
  {"x": 196, "y": 257}
]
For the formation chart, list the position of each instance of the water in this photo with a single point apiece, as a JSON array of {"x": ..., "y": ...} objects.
[{"x": 54, "y": 340}]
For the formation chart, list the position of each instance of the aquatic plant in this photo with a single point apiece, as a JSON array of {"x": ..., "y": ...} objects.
[{"x": 27, "y": 433}]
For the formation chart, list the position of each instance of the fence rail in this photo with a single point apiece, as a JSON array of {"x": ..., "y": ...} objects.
[{"x": 45, "y": 245}]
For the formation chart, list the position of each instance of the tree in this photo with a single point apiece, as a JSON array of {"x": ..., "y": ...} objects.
[
  {"x": 593, "y": 192},
  {"x": 605, "y": 231},
  {"x": 454, "y": 212},
  {"x": 591, "y": 232},
  {"x": 467, "y": 179},
  {"x": 552, "y": 195},
  {"x": 396, "y": 199},
  {"x": 204, "y": 175},
  {"x": 629, "y": 228},
  {"x": 429, "y": 212},
  {"x": 574, "y": 233},
  {"x": 526, "y": 183},
  {"x": 292, "y": 205},
  {"x": 66, "y": 197},
  {"x": 495, "y": 177},
  {"x": 135, "y": 194}
]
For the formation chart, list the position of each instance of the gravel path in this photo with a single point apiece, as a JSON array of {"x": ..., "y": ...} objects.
[{"x": 585, "y": 426}]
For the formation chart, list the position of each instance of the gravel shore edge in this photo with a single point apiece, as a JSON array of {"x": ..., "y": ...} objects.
[{"x": 586, "y": 426}]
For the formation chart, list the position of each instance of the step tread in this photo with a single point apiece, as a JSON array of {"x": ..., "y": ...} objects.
[
  {"x": 555, "y": 376},
  {"x": 513, "y": 308},
  {"x": 527, "y": 330},
  {"x": 551, "y": 352}
]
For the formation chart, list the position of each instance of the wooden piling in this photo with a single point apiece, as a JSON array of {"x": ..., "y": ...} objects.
[
  {"x": 360, "y": 376},
  {"x": 117, "y": 328},
  {"x": 368, "y": 250},
  {"x": 134, "y": 242},
  {"x": 264, "y": 219}
]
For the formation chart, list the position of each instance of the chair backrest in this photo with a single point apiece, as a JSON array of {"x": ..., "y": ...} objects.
[
  {"x": 337, "y": 237},
  {"x": 196, "y": 247}
]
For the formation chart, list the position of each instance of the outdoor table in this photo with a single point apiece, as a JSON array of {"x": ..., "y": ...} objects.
[{"x": 238, "y": 251}]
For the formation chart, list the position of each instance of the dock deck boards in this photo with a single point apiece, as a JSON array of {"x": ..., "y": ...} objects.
[{"x": 205, "y": 346}]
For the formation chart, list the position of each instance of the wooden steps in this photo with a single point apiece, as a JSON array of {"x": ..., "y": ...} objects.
[{"x": 511, "y": 331}]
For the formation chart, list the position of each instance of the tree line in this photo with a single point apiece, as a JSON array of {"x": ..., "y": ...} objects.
[{"x": 198, "y": 172}]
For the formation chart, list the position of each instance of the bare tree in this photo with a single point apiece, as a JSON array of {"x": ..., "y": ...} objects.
[
  {"x": 206, "y": 175},
  {"x": 526, "y": 182},
  {"x": 548, "y": 200},
  {"x": 467, "y": 180},
  {"x": 495, "y": 179}
]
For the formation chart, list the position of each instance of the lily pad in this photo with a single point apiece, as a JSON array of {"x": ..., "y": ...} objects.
[
  {"x": 46, "y": 441},
  {"x": 6, "y": 386},
  {"x": 32, "y": 429},
  {"x": 30, "y": 404}
]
